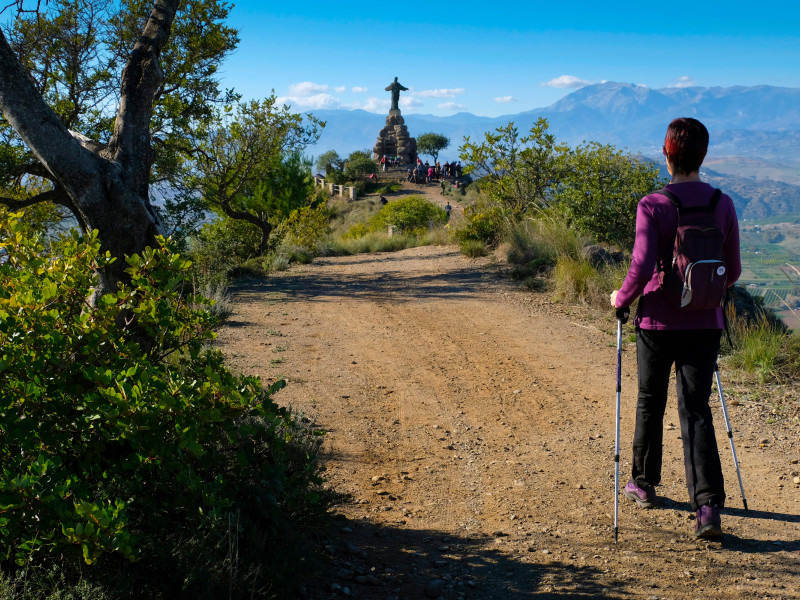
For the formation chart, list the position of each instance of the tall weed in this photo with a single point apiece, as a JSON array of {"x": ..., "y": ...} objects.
[
  {"x": 576, "y": 280},
  {"x": 756, "y": 346}
]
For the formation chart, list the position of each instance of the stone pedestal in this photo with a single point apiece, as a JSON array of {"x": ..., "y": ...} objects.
[{"x": 394, "y": 140}]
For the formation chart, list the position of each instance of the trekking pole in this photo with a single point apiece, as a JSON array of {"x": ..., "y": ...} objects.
[
  {"x": 622, "y": 318},
  {"x": 730, "y": 434}
]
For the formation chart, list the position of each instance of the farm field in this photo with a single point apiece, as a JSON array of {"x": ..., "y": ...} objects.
[{"x": 769, "y": 251}]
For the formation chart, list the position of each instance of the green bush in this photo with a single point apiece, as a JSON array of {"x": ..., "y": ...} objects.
[
  {"x": 482, "y": 222},
  {"x": 124, "y": 436},
  {"x": 411, "y": 214},
  {"x": 222, "y": 244},
  {"x": 473, "y": 248},
  {"x": 305, "y": 227}
]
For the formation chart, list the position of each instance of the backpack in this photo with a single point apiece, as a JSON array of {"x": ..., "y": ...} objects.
[{"x": 696, "y": 279}]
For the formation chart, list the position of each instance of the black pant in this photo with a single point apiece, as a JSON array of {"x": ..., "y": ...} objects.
[{"x": 694, "y": 353}]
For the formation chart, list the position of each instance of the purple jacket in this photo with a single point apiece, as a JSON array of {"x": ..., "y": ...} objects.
[{"x": 656, "y": 225}]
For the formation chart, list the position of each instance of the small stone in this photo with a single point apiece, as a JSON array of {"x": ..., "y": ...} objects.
[
  {"x": 434, "y": 588},
  {"x": 796, "y": 480},
  {"x": 352, "y": 548},
  {"x": 545, "y": 551},
  {"x": 346, "y": 530},
  {"x": 580, "y": 487}
]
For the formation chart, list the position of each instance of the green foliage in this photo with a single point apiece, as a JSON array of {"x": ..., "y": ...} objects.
[
  {"x": 536, "y": 244},
  {"x": 75, "y": 51},
  {"x": 411, "y": 214},
  {"x": 222, "y": 244},
  {"x": 431, "y": 144},
  {"x": 483, "y": 222},
  {"x": 359, "y": 165},
  {"x": 251, "y": 167},
  {"x": 123, "y": 434},
  {"x": 757, "y": 345},
  {"x": 305, "y": 227},
  {"x": 518, "y": 173},
  {"x": 36, "y": 583},
  {"x": 594, "y": 188},
  {"x": 577, "y": 281},
  {"x": 600, "y": 190},
  {"x": 473, "y": 248},
  {"x": 328, "y": 162}
]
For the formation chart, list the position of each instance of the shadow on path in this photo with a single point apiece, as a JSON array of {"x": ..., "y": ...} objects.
[
  {"x": 375, "y": 562},
  {"x": 386, "y": 284}
]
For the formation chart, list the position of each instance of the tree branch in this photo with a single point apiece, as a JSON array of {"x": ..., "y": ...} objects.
[
  {"x": 55, "y": 196},
  {"x": 38, "y": 126},
  {"x": 141, "y": 78}
]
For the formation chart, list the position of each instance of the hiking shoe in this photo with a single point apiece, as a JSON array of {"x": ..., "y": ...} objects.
[
  {"x": 643, "y": 496},
  {"x": 709, "y": 524}
]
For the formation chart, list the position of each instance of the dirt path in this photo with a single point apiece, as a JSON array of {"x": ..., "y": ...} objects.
[{"x": 473, "y": 425}]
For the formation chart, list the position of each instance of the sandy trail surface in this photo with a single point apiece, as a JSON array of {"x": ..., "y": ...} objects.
[{"x": 472, "y": 424}]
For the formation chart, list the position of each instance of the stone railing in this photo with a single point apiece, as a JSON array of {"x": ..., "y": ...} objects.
[{"x": 345, "y": 191}]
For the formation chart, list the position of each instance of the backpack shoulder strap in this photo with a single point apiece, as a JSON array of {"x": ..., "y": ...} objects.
[
  {"x": 676, "y": 202},
  {"x": 709, "y": 208}
]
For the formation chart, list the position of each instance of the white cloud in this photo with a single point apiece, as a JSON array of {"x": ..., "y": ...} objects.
[
  {"x": 317, "y": 101},
  {"x": 505, "y": 99},
  {"x": 566, "y": 81},
  {"x": 358, "y": 89},
  {"x": 410, "y": 102},
  {"x": 684, "y": 81},
  {"x": 441, "y": 93},
  {"x": 376, "y": 105},
  {"x": 340, "y": 88},
  {"x": 452, "y": 106},
  {"x": 307, "y": 88}
]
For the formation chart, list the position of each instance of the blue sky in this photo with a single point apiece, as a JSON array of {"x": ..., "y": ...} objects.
[{"x": 494, "y": 59}]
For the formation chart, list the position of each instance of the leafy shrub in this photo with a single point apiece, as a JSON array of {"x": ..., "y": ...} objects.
[
  {"x": 222, "y": 244},
  {"x": 482, "y": 222},
  {"x": 473, "y": 248},
  {"x": 359, "y": 165},
  {"x": 124, "y": 435},
  {"x": 410, "y": 215},
  {"x": 305, "y": 227},
  {"x": 599, "y": 191}
]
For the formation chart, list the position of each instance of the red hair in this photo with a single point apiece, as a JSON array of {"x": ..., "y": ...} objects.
[{"x": 686, "y": 144}]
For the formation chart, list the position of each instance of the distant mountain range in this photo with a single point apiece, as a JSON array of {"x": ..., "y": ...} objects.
[
  {"x": 761, "y": 122},
  {"x": 755, "y": 131}
]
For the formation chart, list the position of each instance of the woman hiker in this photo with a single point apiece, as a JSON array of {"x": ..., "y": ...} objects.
[{"x": 665, "y": 335}]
